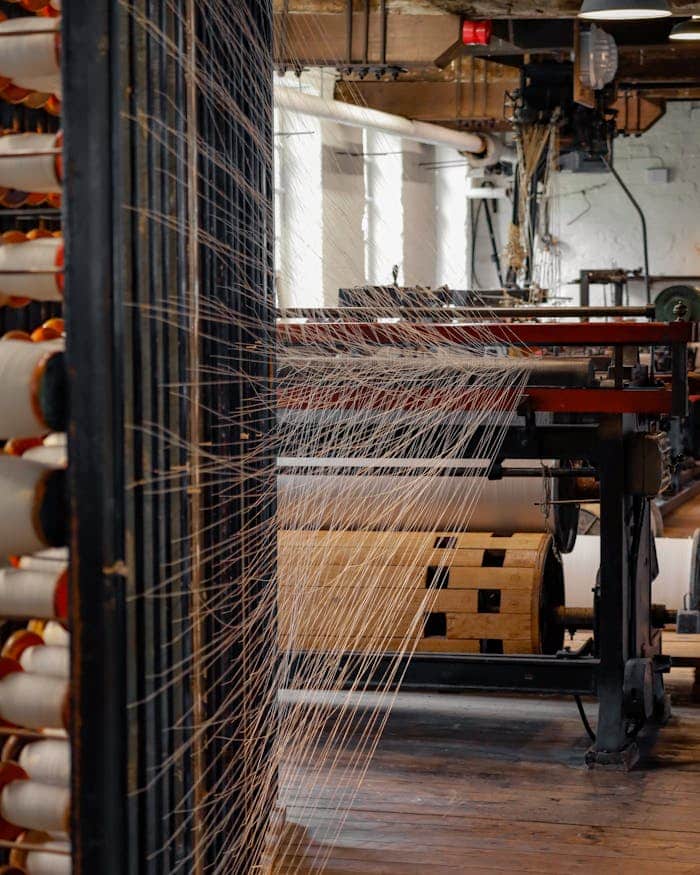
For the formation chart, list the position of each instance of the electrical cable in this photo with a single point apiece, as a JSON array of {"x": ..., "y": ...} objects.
[{"x": 584, "y": 718}]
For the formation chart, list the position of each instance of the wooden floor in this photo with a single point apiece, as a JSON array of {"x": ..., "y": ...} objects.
[
  {"x": 473, "y": 783},
  {"x": 489, "y": 783}
]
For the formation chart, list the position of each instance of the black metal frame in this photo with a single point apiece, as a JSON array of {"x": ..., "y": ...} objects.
[
  {"x": 129, "y": 369},
  {"x": 626, "y": 662}
]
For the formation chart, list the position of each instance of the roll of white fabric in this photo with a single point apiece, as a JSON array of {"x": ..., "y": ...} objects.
[
  {"x": 28, "y": 163},
  {"x": 44, "y": 254},
  {"x": 21, "y": 366},
  {"x": 27, "y": 58},
  {"x": 47, "y": 762},
  {"x": 28, "y": 593},
  {"x": 33, "y": 701},
  {"x": 675, "y": 557},
  {"x": 35, "y": 806},
  {"x": 48, "y": 863},
  {"x": 420, "y": 503},
  {"x": 51, "y": 660},
  {"x": 20, "y": 493}
]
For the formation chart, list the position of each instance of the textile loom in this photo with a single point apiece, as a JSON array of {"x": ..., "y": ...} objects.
[{"x": 603, "y": 420}]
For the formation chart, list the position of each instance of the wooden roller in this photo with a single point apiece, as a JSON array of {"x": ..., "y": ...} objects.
[{"x": 471, "y": 592}]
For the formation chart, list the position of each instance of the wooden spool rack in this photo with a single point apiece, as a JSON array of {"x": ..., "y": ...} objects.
[{"x": 456, "y": 592}]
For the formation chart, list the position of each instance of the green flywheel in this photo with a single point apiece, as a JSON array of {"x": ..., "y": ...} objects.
[{"x": 667, "y": 300}]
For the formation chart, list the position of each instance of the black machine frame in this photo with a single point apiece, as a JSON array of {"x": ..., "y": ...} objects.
[
  {"x": 623, "y": 665},
  {"x": 140, "y": 353}
]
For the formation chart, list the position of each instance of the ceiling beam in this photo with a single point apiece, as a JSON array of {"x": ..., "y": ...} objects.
[
  {"x": 533, "y": 8},
  {"x": 320, "y": 38}
]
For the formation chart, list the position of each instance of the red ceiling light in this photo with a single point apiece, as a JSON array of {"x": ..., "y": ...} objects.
[{"x": 477, "y": 33}]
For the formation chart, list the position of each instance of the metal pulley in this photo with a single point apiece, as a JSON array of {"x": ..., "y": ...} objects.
[{"x": 678, "y": 302}]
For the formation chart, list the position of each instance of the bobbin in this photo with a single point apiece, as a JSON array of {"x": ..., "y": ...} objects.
[
  {"x": 29, "y": 593},
  {"x": 27, "y": 804},
  {"x": 32, "y": 506},
  {"x": 31, "y": 162},
  {"x": 32, "y": 269},
  {"x": 30, "y": 700},
  {"x": 53, "y": 859},
  {"x": 32, "y": 389},
  {"x": 30, "y": 53}
]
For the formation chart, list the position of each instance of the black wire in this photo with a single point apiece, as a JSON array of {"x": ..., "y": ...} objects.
[{"x": 584, "y": 719}]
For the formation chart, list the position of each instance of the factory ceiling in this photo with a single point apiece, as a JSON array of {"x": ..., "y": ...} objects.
[{"x": 409, "y": 57}]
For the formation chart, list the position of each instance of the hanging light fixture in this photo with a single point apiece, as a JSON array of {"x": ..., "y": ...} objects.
[
  {"x": 624, "y": 10},
  {"x": 687, "y": 30}
]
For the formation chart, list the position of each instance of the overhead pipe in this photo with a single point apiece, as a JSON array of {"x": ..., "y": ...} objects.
[{"x": 481, "y": 149}]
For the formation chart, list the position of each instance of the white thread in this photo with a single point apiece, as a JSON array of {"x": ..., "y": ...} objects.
[
  {"x": 31, "y": 255},
  {"x": 28, "y": 593},
  {"x": 29, "y": 172},
  {"x": 47, "y": 762},
  {"x": 52, "y": 660},
  {"x": 35, "y": 806},
  {"x": 32, "y": 701}
]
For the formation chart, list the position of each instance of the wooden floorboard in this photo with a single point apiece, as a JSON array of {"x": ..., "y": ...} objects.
[{"x": 476, "y": 783}]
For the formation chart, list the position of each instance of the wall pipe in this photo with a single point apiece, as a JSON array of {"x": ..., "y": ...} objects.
[{"x": 483, "y": 149}]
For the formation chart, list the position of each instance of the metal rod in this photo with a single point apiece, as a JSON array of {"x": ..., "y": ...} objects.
[
  {"x": 44, "y": 153},
  {"x": 348, "y": 29},
  {"x": 365, "y": 52},
  {"x": 642, "y": 217},
  {"x": 464, "y": 312},
  {"x": 47, "y": 32},
  {"x": 33, "y": 846},
  {"x": 384, "y": 33},
  {"x": 30, "y": 270},
  {"x": 295, "y": 466}
]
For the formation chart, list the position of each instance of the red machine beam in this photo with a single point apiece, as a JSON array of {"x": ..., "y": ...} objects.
[
  {"x": 515, "y": 334},
  {"x": 642, "y": 401}
]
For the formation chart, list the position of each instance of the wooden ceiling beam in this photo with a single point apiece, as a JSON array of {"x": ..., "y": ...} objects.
[
  {"x": 304, "y": 38},
  {"x": 533, "y": 8}
]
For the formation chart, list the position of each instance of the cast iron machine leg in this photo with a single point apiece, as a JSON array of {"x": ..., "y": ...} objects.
[{"x": 630, "y": 683}]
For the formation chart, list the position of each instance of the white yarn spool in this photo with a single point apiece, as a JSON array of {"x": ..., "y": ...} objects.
[
  {"x": 21, "y": 364},
  {"x": 56, "y": 439},
  {"x": 52, "y": 660},
  {"x": 43, "y": 254},
  {"x": 28, "y": 593},
  {"x": 50, "y": 559},
  {"x": 31, "y": 165},
  {"x": 53, "y": 457},
  {"x": 46, "y": 863},
  {"x": 47, "y": 762},
  {"x": 32, "y": 700},
  {"x": 675, "y": 556},
  {"x": 20, "y": 494},
  {"x": 27, "y": 58},
  {"x": 55, "y": 633},
  {"x": 35, "y": 806}
]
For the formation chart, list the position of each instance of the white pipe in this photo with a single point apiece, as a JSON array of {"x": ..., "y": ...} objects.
[{"x": 361, "y": 117}]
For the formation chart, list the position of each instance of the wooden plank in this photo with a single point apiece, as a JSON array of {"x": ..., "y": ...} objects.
[
  {"x": 455, "y": 600},
  {"x": 404, "y": 576},
  {"x": 499, "y": 626}
]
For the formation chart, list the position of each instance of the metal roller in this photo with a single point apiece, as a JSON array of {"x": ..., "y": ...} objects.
[{"x": 427, "y": 503}]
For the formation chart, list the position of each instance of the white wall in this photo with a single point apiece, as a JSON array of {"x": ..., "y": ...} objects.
[
  {"x": 352, "y": 204},
  {"x": 597, "y": 227}
]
